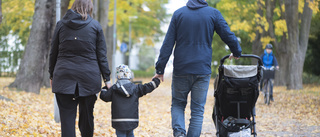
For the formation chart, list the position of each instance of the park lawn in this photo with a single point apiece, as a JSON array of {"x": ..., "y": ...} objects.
[{"x": 294, "y": 113}]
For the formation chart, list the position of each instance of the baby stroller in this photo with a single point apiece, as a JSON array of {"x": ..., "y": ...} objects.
[{"x": 236, "y": 93}]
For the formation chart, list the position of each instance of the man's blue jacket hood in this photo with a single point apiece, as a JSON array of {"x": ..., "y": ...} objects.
[{"x": 196, "y": 4}]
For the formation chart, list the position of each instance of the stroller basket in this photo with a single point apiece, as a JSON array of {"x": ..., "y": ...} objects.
[
  {"x": 268, "y": 74},
  {"x": 236, "y": 92}
]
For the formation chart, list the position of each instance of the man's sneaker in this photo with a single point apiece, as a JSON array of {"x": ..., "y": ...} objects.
[
  {"x": 271, "y": 98},
  {"x": 179, "y": 134}
]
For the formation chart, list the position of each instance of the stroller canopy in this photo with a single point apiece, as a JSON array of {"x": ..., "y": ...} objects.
[{"x": 240, "y": 71}]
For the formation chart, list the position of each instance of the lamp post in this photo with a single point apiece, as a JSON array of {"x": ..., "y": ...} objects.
[
  {"x": 114, "y": 43},
  {"x": 56, "y": 108},
  {"x": 58, "y": 10},
  {"x": 130, "y": 43}
]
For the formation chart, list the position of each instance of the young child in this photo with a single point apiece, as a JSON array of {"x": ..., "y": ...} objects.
[{"x": 125, "y": 101}]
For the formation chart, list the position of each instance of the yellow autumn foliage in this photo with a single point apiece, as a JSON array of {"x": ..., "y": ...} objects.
[
  {"x": 280, "y": 27},
  {"x": 230, "y": 4},
  {"x": 252, "y": 36},
  {"x": 266, "y": 40},
  {"x": 145, "y": 20},
  {"x": 314, "y": 6},
  {"x": 301, "y": 6},
  {"x": 242, "y": 16},
  {"x": 17, "y": 14},
  {"x": 277, "y": 11},
  {"x": 237, "y": 25}
]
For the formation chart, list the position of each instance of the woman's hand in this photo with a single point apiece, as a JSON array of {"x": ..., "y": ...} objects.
[{"x": 108, "y": 84}]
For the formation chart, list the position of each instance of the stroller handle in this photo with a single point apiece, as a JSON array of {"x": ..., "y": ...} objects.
[{"x": 244, "y": 55}]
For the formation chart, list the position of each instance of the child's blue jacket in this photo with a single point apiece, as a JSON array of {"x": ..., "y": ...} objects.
[{"x": 268, "y": 60}]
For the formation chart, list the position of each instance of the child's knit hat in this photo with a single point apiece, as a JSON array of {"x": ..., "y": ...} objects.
[{"x": 123, "y": 72}]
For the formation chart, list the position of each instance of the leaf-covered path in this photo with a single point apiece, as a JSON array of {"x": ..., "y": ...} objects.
[{"x": 294, "y": 113}]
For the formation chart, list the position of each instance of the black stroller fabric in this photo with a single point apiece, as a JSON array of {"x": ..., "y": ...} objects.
[
  {"x": 233, "y": 90},
  {"x": 236, "y": 93}
]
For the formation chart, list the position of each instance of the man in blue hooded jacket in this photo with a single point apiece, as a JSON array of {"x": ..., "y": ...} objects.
[{"x": 191, "y": 31}]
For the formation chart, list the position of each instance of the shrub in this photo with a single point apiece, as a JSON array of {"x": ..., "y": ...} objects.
[
  {"x": 144, "y": 73},
  {"x": 310, "y": 79}
]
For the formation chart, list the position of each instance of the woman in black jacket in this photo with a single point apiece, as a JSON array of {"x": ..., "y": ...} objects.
[{"x": 77, "y": 61}]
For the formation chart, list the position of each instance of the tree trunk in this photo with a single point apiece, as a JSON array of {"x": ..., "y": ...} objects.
[
  {"x": 270, "y": 6},
  {"x": 0, "y": 11},
  {"x": 95, "y": 9},
  {"x": 291, "y": 49},
  {"x": 291, "y": 10},
  {"x": 281, "y": 76},
  {"x": 100, "y": 13},
  {"x": 256, "y": 44},
  {"x": 297, "y": 40},
  {"x": 64, "y": 7},
  {"x": 31, "y": 70},
  {"x": 305, "y": 30},
  {"x": 109, "y": 41},
  {"x": 281, "y": 53},
  {"x": 46, "y": 75},
  {"x": 108, "y": 30}
]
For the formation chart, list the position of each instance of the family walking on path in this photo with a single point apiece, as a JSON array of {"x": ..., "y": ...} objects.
[{"x": 78, "y": 60}]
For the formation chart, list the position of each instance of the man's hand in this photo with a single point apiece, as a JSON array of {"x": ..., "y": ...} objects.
[
  {"x": 277, "y": 67},
  {"x": 231, "y": 56},
  {"x": 158, "y": 76}
]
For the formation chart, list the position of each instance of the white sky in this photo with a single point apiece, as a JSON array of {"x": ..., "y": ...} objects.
[{"x": 174, "y": 5}]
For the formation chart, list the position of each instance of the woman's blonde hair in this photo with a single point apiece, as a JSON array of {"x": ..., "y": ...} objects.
[{"x": 83, "y": 7}]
